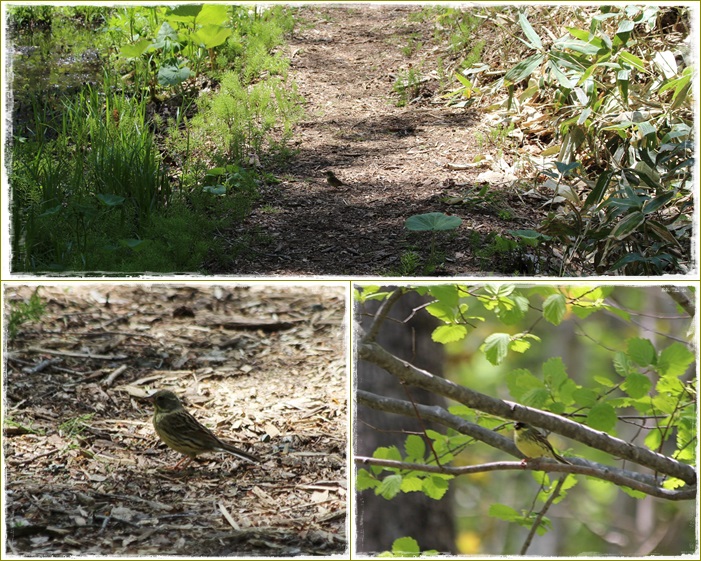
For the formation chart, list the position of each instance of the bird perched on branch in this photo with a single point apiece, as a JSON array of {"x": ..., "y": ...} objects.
[
  {"x": 185, "y": 434},
  {"x": 531, "y": 442}
]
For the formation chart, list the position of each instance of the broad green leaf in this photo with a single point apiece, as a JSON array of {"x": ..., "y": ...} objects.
[
  {"x": 554, "y": 373},
  {"x": 443, "y": 312},
  {"x": 602, "y": 417},
  {"x": 673, "y": 483},
  {"x": 412, "y": 484},
  {"x": 503, "y": 512},
  {"x": 622, "y": 363},
  {"x": 520, "y": 381},
  {"x": 415, "y": 447},
  {"x": 496, "y": 347},
  {"x": 448, "y": 295},
  {"x": 449, "y": 333},
  {"x": 636, "y": 385},
  {"x": 653, "y": 440},
  {"x": 390, "y": 486},
  {"x": 641, "y": 351},
  {"x": 537, "y": 398},
  {"x": 406, "y": 546},
  {"x": 432, "y": 222},
  {"x": 511, "y": 310},
  {"x": 388, "y": 453},
  {"x": 674, "y": 360},
  {"x": 363, "y": 480},
  {"x": 604, "y": 381},
  {"x": 211, "y": 36},
  {"x": 135, "y": 50},
  {"x": 215, "y": 189},
  {"x": 214, "y": 14},
  {"x": 171, "y": 75},
  {"x": 554, "y": 308},
  {"x": 435, "y": 486},
  {"x": 519, "y": 345}
]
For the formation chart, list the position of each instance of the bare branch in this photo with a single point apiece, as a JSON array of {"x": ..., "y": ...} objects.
[{"x": 381, "y": 314}]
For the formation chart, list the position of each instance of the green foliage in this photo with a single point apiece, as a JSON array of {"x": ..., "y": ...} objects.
[
  {"x": 241, "y": 118},
  {"x": 406, "y": 547},
  {"x": 76, "y": 426},
  {"x": 90, "y": 190},
  {"x": 622, "y": 110},
  {"x": 432, "y": 222},
  {"x": 433, "y": 485},
  {"x": 630, "y": 384},
  {"x": 101, "y": 174},
  {"x": 21, "y": 312},
  {"x": 407, "y": 85}
]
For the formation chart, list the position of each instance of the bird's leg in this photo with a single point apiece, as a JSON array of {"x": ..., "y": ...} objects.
[{"x": 188, "y": 458}]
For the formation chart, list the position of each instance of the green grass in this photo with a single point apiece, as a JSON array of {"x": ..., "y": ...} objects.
[{"x": 91, "y": 189}]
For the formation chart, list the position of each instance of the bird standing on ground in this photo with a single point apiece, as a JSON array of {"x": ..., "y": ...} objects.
[
  {"x": 533, "y": 444},
  {"x": 185, "y": 434},
  {"x": 332, "y": 180}
]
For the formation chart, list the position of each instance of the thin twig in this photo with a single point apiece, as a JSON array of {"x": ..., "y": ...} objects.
[{"x": 541, "y": 514}]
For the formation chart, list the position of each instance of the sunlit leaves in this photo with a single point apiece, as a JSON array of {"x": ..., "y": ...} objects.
[
  {"x": 636, "y": 385},
  {"x": 674, "y": 360},
  {"x": 409, "y": 481},
  {"x": 641, "y": 351},
  {"x": 554, "y": 308},
  {"x": 602, "y": 417}
]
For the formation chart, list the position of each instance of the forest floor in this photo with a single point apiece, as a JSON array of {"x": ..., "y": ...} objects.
[
  {"x": 396, "y": 161},
  {"x": 262, "y": 366}
]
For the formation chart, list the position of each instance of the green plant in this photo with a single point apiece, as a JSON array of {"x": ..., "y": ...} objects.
[
  {"x": 409, "y": 263},
  {"x": 76, "y": 426},
  {"x": 94, "y": 170},
  {"x": 242, "y": 118},
  {"x": 432, "y": 222},
  {"x": 407, "y": 547},
  {"x": 20, "y": 428},
  {"x": 23, "y": 311},
  {"x": 163, "y": 44},
  {"x": 622, "y": 109},
  {"x": 407, "y": 85}
]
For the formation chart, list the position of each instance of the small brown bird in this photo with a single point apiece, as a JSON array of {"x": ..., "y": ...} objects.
[
  {"x": 185, "y": 434},
  {"x": 332, "y": 180}
]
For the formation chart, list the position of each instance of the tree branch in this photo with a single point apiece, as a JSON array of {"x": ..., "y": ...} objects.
[
  {"x": 409, "y": 374},
  {"x": 535, "y": 464},
  {"x": 441, "y": 416}
]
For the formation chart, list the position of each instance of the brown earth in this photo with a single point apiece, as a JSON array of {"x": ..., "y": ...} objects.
[
  {"x": 262, "y": 366},
  {"x": 394, "y": 160}
]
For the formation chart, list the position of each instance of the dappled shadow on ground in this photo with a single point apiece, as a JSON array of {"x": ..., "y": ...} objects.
[{"x": 262, "y": 366}]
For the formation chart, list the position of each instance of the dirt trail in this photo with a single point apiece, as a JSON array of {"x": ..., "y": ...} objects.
[{"x": 345, "y": 60}]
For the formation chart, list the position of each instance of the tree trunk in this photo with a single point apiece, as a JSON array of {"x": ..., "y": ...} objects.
[{"x": 381, "y": 521}]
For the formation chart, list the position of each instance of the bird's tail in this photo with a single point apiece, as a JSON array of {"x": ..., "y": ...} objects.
[{"x": 240, "y": 453}]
